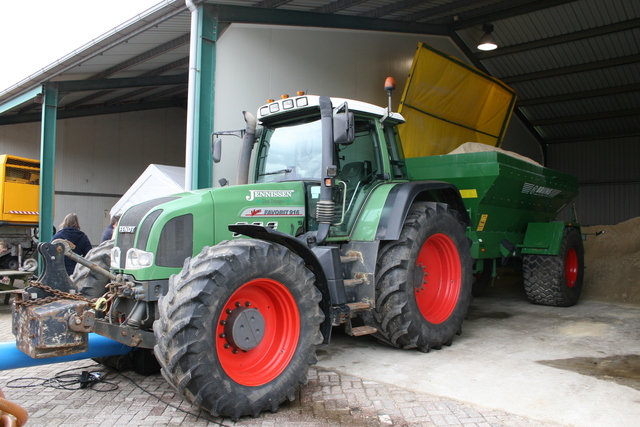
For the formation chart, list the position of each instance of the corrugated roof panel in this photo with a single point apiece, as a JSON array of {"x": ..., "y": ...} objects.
[
  {"x": 610, "y": 126},
  {"x": 589, "y": 80},
  {"x": 601, "y": 104}
]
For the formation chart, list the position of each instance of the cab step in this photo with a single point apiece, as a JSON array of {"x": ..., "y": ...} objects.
[{"x": 363, "y": 330}]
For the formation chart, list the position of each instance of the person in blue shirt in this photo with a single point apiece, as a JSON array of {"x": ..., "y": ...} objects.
[
  {"x": 70, "y": 230},
  {"x": 107, "y": 234}
]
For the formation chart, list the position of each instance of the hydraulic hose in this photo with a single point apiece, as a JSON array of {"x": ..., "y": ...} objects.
[{"x": 242, "y": 177}]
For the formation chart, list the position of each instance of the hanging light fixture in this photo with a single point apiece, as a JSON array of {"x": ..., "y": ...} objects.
[{"x": 487, "y": 42}]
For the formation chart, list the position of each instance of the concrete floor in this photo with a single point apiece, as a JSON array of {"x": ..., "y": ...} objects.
[{"x": 576, "y": 366}]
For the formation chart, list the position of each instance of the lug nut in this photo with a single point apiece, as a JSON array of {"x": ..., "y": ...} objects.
[
  {"x": 237, "y": 304},
  {"x": 222, "y": 335},
  {"x": 229, "y": 311},
  {"x": 227, "y": 345}
]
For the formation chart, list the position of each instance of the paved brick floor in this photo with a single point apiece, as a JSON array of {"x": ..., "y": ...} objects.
[{"x": 328, "y": 399}]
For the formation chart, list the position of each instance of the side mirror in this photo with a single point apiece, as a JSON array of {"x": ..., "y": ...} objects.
[
  {"x": 216, "y": 148},
  {"x": 343, "y": 128}
]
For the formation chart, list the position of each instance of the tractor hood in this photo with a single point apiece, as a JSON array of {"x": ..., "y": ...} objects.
[{"x": 155, "y": 237}]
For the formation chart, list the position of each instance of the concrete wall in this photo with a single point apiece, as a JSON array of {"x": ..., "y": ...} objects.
[
  {"x": 259, "y": 62},
  {"x": 98, "y": 158}
]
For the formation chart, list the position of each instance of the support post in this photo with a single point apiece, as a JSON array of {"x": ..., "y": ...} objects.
[
  {"x": 48, "y": 160},
  {"x": 199, "y": 164}
]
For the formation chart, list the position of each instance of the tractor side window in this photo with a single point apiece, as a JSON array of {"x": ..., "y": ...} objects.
[
  {"x": 396, "y": 155},
  {"x": 358, "y": 164}
]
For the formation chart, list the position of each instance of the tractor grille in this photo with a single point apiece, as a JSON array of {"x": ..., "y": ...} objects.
[
  {"x": 176, "y": 242},
  {"x": 128, "y": 224}
]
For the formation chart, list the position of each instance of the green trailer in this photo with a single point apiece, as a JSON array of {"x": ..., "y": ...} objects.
[{"x": 513, "y": 205}]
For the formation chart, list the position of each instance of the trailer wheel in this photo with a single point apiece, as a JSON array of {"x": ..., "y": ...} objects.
[
  {"x": 556, "y": 279},
  {"x": 423, "y": 284},
  {"x": 237, "y": 330},
  {"x": 87, "y": 282}
]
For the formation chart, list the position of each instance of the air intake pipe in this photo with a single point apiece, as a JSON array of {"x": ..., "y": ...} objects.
[{"x": 249, "y": 138}]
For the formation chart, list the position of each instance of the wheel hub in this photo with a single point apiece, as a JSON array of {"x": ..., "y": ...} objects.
[{"x": 244, "y": 328}]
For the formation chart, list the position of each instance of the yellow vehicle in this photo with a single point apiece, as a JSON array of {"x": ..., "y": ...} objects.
[{"x": 19, "y": 209}]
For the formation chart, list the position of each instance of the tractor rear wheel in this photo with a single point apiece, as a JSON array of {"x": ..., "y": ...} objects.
[
  {"x": 423, "y": 284},
  {"x": 556, "y": 279},
  {"x": 90, "y": 283},
  {"x": 237, "y": 330}
]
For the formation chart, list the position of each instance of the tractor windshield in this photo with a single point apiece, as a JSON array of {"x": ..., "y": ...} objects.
[{"x": 290, "y": 153}]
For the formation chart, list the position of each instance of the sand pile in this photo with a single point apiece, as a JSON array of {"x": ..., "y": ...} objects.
[{"x": 612, "y": 262}]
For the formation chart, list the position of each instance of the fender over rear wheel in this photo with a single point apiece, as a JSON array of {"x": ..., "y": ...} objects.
[
  {"x": 423, "y": 280},
  {"x": 237, "y": 330}
]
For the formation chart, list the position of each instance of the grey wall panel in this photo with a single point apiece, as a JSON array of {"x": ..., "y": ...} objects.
[
  {"x": 608, "y": 174},
  {"x": 101, "y": 156}
]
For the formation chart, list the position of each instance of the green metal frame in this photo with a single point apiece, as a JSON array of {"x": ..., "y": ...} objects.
[
  {"x": 48, "y": 160},
  {"x": 202, "y": 174}
]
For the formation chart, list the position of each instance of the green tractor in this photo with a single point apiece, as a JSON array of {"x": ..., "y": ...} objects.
[{"x": 234, "y": 287}]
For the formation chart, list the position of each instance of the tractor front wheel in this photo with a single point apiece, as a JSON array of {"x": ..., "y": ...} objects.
[
  {"x": 237, "y": 329},
  {"x": 423, "y": 283}
]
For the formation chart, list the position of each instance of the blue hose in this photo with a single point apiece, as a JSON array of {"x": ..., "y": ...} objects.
[{"x": 99, "y": 346}]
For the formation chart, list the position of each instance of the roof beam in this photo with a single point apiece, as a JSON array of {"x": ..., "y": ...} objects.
[
  {"x": 337, "y": 5},
  {"x": 586, "y": 117},
  {"x": 594, "y": 137},
  {"x": 145, "y": 56},
  {"x": 391, "y": 8},
  {"x": 127, "y": 82},
  {"x": 19, "y": 100},
  {"x": 253, "y": 15},
  {"x": 498, "y": 11},
  {"x": 158, "y": 50},
  {"x": 169, "y": 91},
  {"x": 155, "y": 72},
  {"x": 578, "y": 95},
  {"x": 580, "y": 68},
  {"x": 272, "y": 4},
  {"x": 437, "y": 10},
  {"x": 94, "y": 111},
  {"x": 564, "y": 38},
  {"x": 161, "y": 70}
]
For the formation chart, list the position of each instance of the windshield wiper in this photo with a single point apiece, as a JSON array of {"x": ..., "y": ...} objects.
[{"x": 276, "y": 172}]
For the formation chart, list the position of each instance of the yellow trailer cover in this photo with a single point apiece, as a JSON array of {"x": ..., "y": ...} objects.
[{"x": 447, "y": 103}]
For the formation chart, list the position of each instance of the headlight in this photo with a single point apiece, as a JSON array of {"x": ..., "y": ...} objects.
[
  {"x": 115, "y": 257},
  {"x": 138, "y": 259}
]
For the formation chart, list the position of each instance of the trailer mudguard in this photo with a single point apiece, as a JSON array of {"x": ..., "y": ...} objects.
[
  {"x": 543, "y": 238},
  {"x": 300, "y": 249},
  {"x": 402, "y": 196}
]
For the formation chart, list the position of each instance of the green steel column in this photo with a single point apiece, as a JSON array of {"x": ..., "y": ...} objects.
[
  {"x": 48, "y": 160},
  {"x": 206, "y": 64}
]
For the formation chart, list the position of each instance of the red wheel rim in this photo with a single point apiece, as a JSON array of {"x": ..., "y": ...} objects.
[
  {"x": 281, "y": 332},
  {"x": 571, "y": 267},
  {"x": 438, "y": 278}
]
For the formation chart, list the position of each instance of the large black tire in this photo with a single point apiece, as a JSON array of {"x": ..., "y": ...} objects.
[
  {"x": 90, "y": 283},
  {"x": 556, "y": 280},
  {"x": 423, "y": 284},
  {"x": 201, "y": 344}
]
